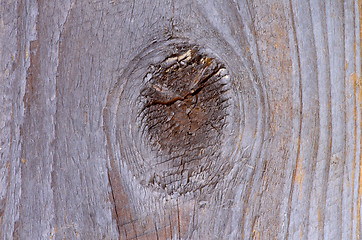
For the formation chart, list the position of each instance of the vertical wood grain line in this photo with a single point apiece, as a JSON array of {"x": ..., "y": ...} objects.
[
  {"x": 353, "y": 220},
  {"x": 350, "y": 101},
  {"x": 358, "y": 96},
  {"x": 335, "y": 30},
  {"x": 320, "y": 175},
  {"x": 294, "y": 44}
]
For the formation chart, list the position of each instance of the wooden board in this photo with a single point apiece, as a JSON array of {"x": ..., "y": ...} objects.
[{"x": 275, "y": 153}]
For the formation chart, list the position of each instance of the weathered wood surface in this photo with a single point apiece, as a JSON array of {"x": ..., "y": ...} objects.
[{"x": 68, "y": 72}]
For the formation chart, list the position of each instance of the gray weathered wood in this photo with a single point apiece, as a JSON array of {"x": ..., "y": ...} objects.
[{"x": 71, "y": 72}]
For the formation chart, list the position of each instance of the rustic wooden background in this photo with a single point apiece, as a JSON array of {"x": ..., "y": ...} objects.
[{"x": 297, "y": 65}]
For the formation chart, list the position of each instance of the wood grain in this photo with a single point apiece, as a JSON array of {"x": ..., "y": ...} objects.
[{"x": 71, "y": 72}]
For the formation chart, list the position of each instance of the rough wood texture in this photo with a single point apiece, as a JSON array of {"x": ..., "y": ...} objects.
[{"x": 285, "y": 159}]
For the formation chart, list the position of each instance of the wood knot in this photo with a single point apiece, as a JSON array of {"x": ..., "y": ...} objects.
[
  {"x": 175, "y": 119},
  {"x": 184, "y": 111}
]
